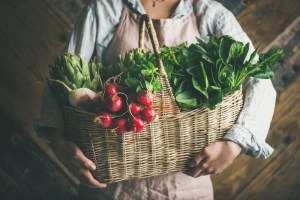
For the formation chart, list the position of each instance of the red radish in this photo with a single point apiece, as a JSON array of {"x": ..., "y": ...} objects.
[
  {"x": 134, "y": 108},
  {"x": 145, "y": 98},
  {"x": 136, "y": 124},
  {"x": 149, "y": 114},
  {"x": 103, "y": 119},
  {"x": 120, "y": 125},
  {"x": 81, "y": 97},
  {"x": 114, "y": 104},
  {"x": 110, "y": 90}
]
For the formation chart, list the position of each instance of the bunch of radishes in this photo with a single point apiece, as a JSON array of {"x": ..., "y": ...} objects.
[{"x": 124, "y": 111}]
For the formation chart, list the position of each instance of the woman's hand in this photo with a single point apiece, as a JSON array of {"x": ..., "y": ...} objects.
[
  {"x": 72, "y": 157},
  {"x": 214, "y": 158}
]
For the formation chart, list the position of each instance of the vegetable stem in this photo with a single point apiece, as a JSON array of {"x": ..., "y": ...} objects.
[{"x": 58, "y": 81}]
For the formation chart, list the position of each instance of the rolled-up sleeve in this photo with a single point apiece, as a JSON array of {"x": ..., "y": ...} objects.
[
  {"x": 252, "y": 126},
  {"x": 253, "y": 123}
]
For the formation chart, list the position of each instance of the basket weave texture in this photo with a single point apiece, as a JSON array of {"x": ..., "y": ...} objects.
[{"x": 162, "y": 147}]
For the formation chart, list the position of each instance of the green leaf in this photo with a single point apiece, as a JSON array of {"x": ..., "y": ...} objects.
[
  {"x": 204, "y": 75},
  {"x": 149, "y": 86},
  {"x": 88, "y": 82},
  {"x": 85, "y": 68},
  {"x": 78, "y": 78},
  {"x": 263, "y": 68},
  {"x": 194, "y": 71},
  {"x": 169, "y": 69},
  {"x": 235, "y": 51},
  {"x": 271, "y": 57},
  {"x": 226, "y": 73},
  {"x": 95, "y": 82},
  {"x": 252, "y": 57},
  {"x": 151, "y": 66},
  {"x": 70, "y": 72},
  {"x": 198, "y": 48},
  {"x": 206, "y": 58},
  {"x": 176, "y": 81},
  {"x": 156, "y": 85},
  {"x": 244, "y": 53},
  {"x": 181, "y": 87},
  {"x": 215, "y": 88},
  {"x": 202, "y": 44},
  {"x": 132, "y": 82},
  {"x": 225, "y": 46},
  {"x": 146, "y": 72},
  {"x": 214, "y": 41},
  {"x": 139, "y": 67},
  {"x": 187, "y": 100},
  {"x": 213, "y": 102},
  {"x": 200, "y": 86},
  {"x": 139, "y": 89},
  {"x": 263, "y": 74}
]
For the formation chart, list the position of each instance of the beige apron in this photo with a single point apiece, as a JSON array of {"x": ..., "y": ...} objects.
[
  {"x": 170, "y": 32},
  {"x": 172, "y": 186}
]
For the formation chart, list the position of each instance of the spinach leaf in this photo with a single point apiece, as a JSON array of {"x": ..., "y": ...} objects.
[
  {"x": 194, "y": 71},
  {"x": 263, "y": 73},
  {"x": 214, "y": 101},
  {"x": 225, "y": 47},
  {"x": 271, "y": 57},
  {"x": 202, "y": 74},
  {"x": 200, "y": 86},
  {"x": 187, "y": 100},
  {"x": 181, "y": 88}
]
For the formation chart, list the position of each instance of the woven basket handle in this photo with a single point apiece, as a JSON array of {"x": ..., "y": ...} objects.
[{"x": 146, "y": 21}]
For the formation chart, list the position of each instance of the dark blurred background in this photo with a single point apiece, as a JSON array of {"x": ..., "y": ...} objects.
[{"x": 32, "y": 32}]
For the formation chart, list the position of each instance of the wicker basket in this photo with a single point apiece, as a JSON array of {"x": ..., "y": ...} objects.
[{"x": 162, "y": 147}]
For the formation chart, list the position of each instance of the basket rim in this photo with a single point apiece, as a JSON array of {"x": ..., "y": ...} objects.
[{"x": 181, "y": 114}]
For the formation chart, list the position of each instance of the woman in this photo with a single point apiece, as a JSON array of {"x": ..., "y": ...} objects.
[{"x": 109, "y": 28}]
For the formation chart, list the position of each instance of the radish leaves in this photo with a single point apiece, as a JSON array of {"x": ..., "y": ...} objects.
[{"x": 138, "y": 68}]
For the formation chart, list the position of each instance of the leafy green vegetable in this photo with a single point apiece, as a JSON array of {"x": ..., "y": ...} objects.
[
  {"x": 138, "y": 68},
  {"x": 202, "y": 74},
  {"x": 187, "y": 99}
]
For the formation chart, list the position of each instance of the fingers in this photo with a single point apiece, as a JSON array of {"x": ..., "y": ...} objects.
[
  {"x": 197, "y": 159},
  {"x": 201, "y": 164},
  {"x": 197, "y": 170},
  {"x": 205, "y": 167},
  {"x": 79, "y": 165},
  {"x": 84, "y": 161},
  {"x": 83, "y": 165},
  {"x": 203, "y": 173},
  {"x": 83, "y": 174},
  {"x": 87, "y": 179},
  {"x": 207, "y": 171},
  {"x": 202, "y": 170}
]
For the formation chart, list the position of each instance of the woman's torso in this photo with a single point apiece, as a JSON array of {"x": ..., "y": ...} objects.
[{"x": 172, "y": 186}]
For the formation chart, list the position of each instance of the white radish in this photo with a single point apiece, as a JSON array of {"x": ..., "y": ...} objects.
[{"x": 81, "y": 97}]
